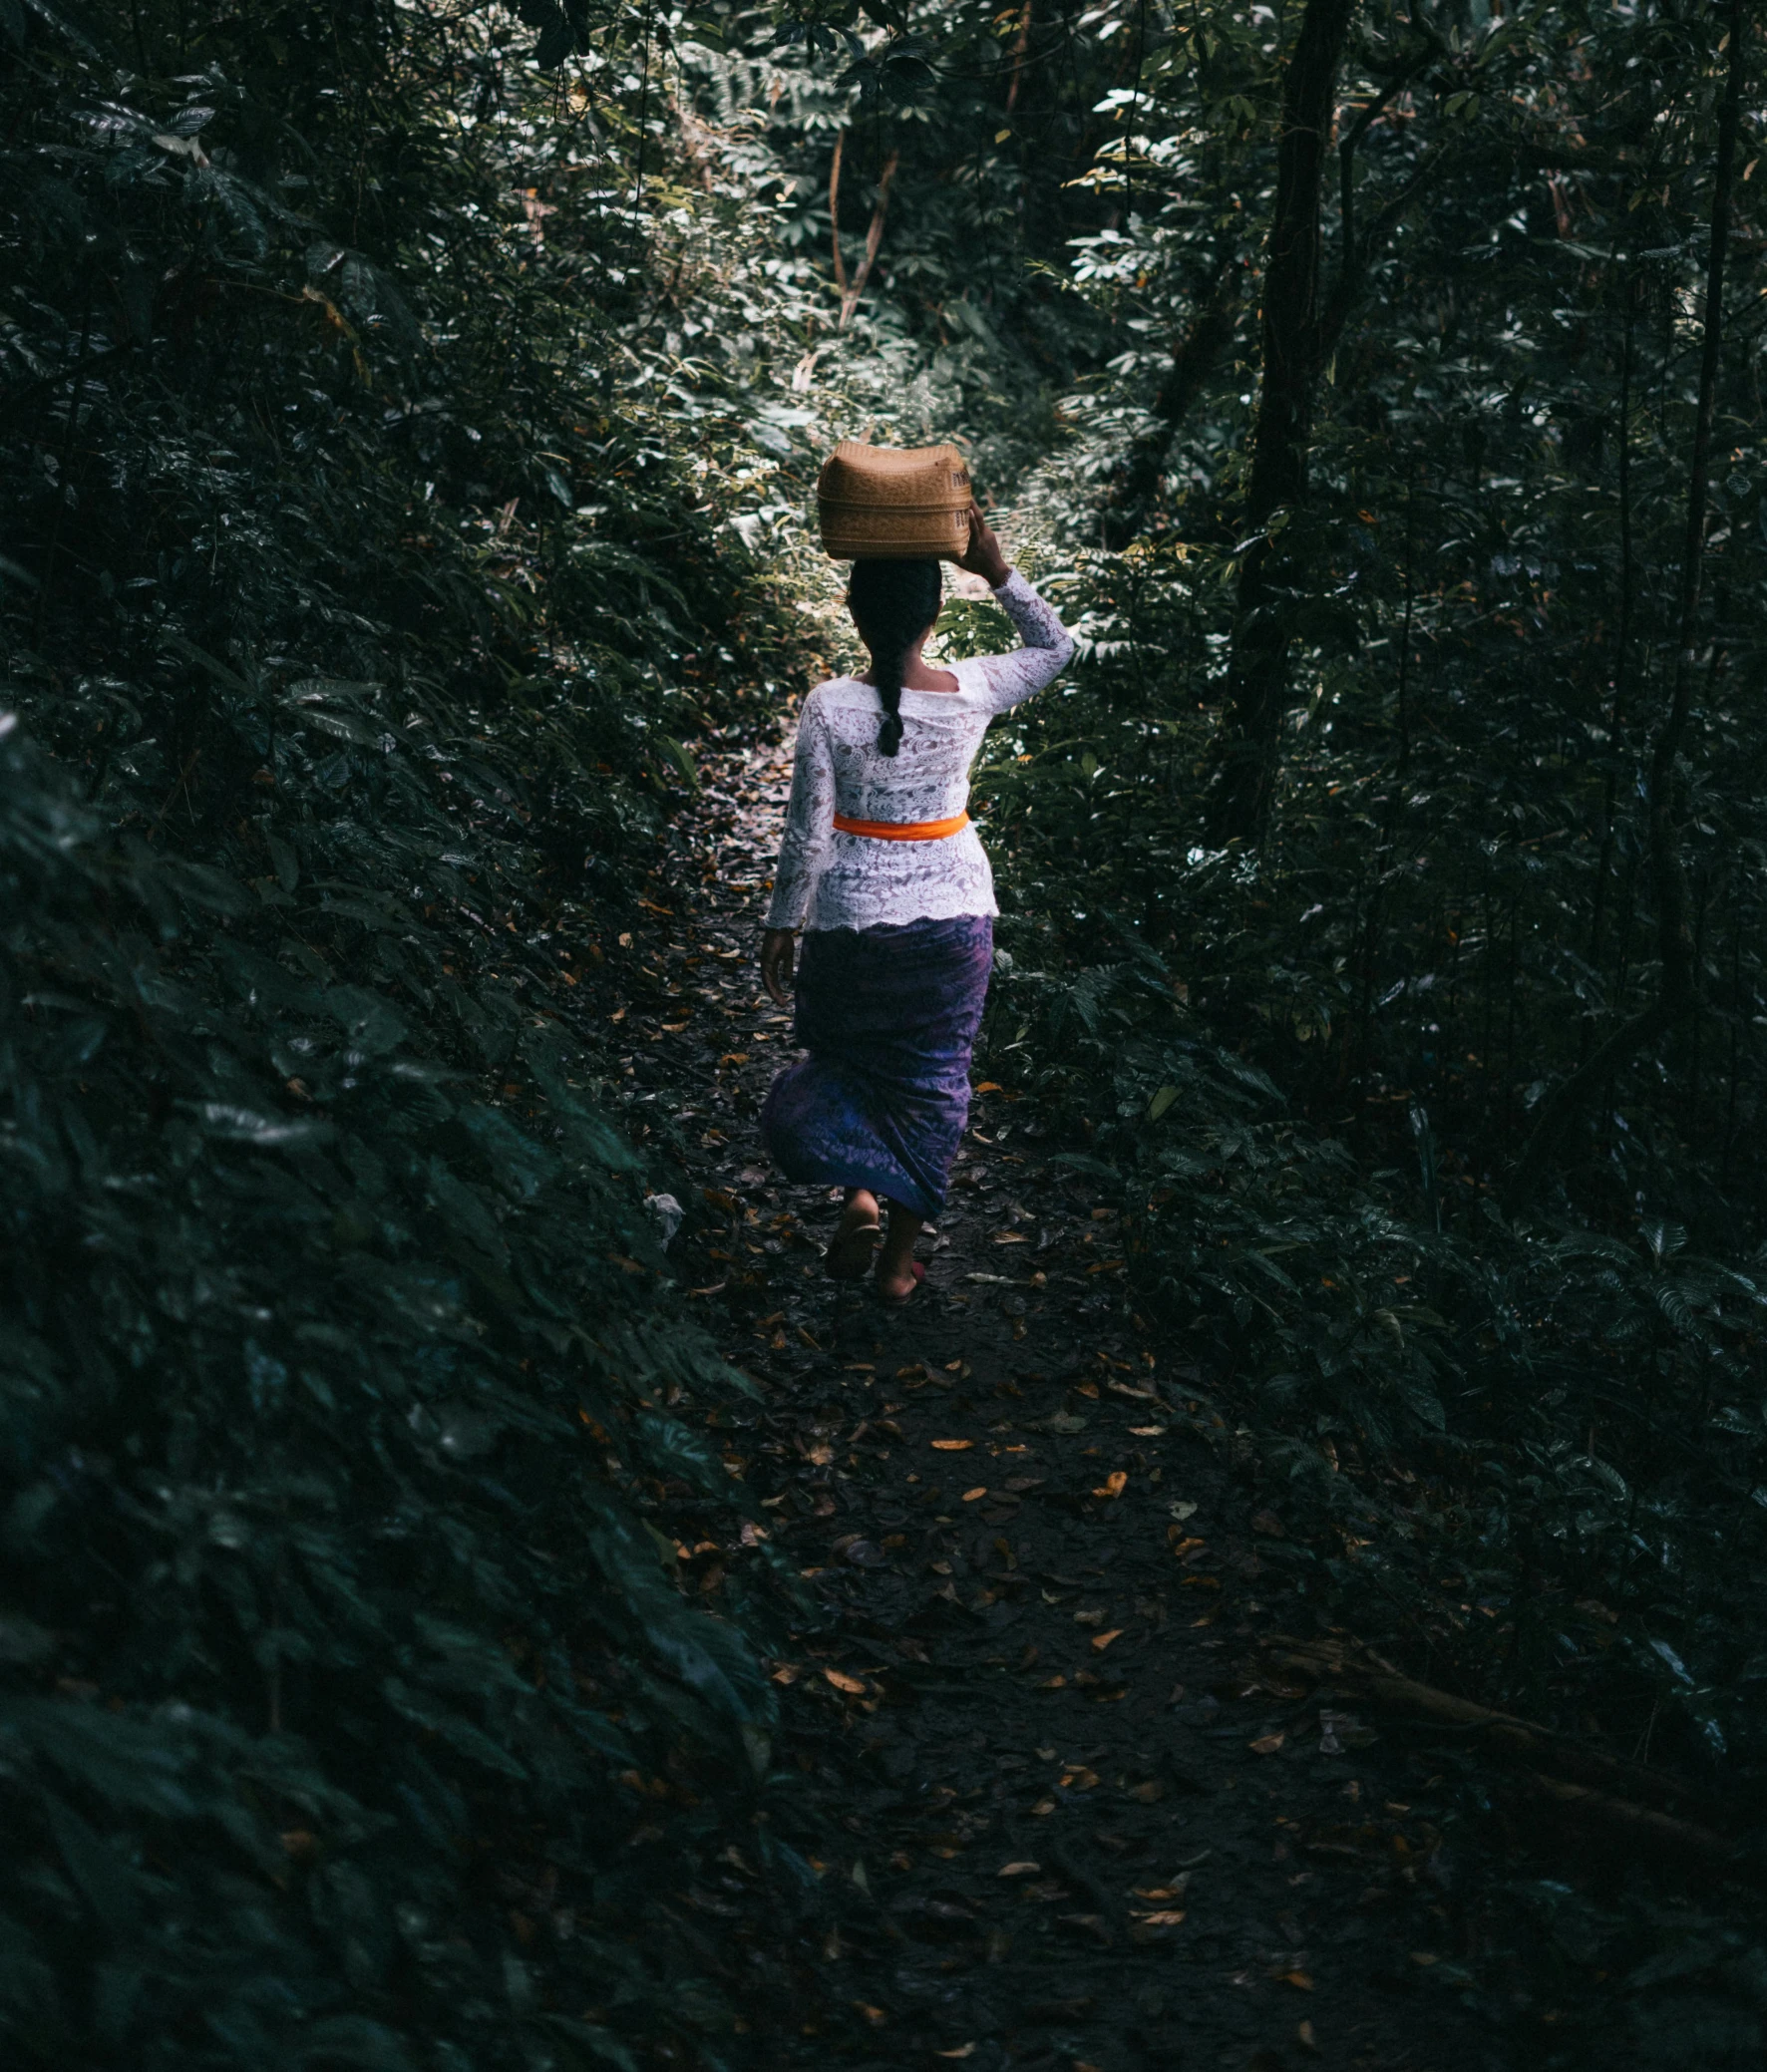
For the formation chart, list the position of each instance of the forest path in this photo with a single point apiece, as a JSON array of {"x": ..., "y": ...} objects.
[{"x": 1081, "y": 1838}]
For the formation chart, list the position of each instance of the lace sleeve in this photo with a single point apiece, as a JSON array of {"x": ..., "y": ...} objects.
[
  {"x": 1011, "y": 679},
  {"x": 810, "y": 815}
]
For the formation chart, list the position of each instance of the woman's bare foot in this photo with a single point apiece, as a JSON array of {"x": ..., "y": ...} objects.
[
  {"x": 849, "y": 1256},
  {"x": 898, "y": 1276}
]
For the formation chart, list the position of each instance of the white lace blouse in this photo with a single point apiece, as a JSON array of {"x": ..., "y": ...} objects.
[{"x": 828, "y": 880}]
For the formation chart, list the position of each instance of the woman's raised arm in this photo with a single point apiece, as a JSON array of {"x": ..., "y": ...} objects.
[{"x": 1048, "y": 646}]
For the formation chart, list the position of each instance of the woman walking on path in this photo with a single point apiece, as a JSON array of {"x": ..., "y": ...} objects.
[{"x": 882, "y": 870}]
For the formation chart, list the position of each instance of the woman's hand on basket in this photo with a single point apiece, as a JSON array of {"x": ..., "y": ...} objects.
[
  {"x": 776, "y": 948},
  {"x": 982, "y": 557}
]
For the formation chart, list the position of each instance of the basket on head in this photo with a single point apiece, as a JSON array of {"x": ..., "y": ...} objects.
[{"x": 896, "y": 503}]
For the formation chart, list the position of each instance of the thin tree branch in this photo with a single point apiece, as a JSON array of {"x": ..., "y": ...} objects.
[
  {"x": 835, "y": 213},
  {"x": 873, "y": 238}
]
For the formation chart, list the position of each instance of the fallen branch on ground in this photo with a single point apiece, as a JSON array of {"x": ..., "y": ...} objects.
[{"x": 1605, "y": 1792}]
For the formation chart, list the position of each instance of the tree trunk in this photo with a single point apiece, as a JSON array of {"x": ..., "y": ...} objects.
[
  {"x": 1292, "y": 335},
  {"x": 1678, "y": 989}
]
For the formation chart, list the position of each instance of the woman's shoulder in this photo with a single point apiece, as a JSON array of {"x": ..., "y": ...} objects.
[{"x": 840, "y": 690}]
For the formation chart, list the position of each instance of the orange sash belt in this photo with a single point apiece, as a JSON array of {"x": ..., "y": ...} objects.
[{"x": 903, "y": 831}]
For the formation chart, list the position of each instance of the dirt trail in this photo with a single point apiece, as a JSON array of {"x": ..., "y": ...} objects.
[{"x": 1081, "y": 1836}]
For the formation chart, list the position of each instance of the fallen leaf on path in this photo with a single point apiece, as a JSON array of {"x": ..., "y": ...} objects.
[
  {"x": 1017, "y": 1869},
  {"x": 1146, "y": 1431},
  {"x": 1166, "y": 1920},
  {"x": 967, "y": 2051},
  {"x": 1426, "y": 1957},
  {"x": 1113, "y": 1485},
  {"x": 1182, "y": 1511},
  {"x": 1010, "y": 1237},
  {"x": 1266, "y": 1744},
  {"x": 1100, "y": 1641},
  {"x": 972, "y": 1496},
  {"x": 953, "y": 1444},
  {"x": 853, "y": 1685},
  {"x": 1305, "y": 2036},
  {"x": 1299, "y": 1979},
  {"x": 875, "y": 2015}
]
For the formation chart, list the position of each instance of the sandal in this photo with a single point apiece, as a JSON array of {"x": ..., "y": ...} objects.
[
  {"x": 835, "y": 1260},
  {"x": 898, "y": 1301}
]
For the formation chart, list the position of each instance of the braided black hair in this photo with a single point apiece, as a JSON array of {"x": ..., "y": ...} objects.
[{"x": 894, "y": 603}]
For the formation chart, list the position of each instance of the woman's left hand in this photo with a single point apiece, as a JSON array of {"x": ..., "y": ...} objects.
[{"x": 777, "y": 948}]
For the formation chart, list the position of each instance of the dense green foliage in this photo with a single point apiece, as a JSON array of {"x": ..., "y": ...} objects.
[
  {"x": 405, "y": 452},
  {"x": 1454, "y": 900},
  {"x": 365, "y": 579}
]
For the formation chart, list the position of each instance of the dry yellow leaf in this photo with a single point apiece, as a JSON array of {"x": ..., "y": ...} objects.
[
  {"x": 1017, "y": 1869},
  {"x": 966, "y": 2050},
  {"x": 875, "y": 2015},
  {"x": 970, "y": 1496},
  {"x": 953, "y": 1444},
  {"x": 1266, "y": 1744},
  {"x": 1167, "y": 1920},
  {"x": 853, "y": 1685},
  {"x": 1305, "y": 2036},
  {"x": 1101, "y": 1641},
  {"x": 1299, "y": 1978},
  {"x": 1113, "y": 1485}
]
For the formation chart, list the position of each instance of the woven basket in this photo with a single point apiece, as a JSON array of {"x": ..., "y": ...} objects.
[{"x": 893, "y": 503}]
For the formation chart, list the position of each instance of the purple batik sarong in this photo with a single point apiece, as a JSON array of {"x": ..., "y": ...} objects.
[{"x": 889, "y": 1016}]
